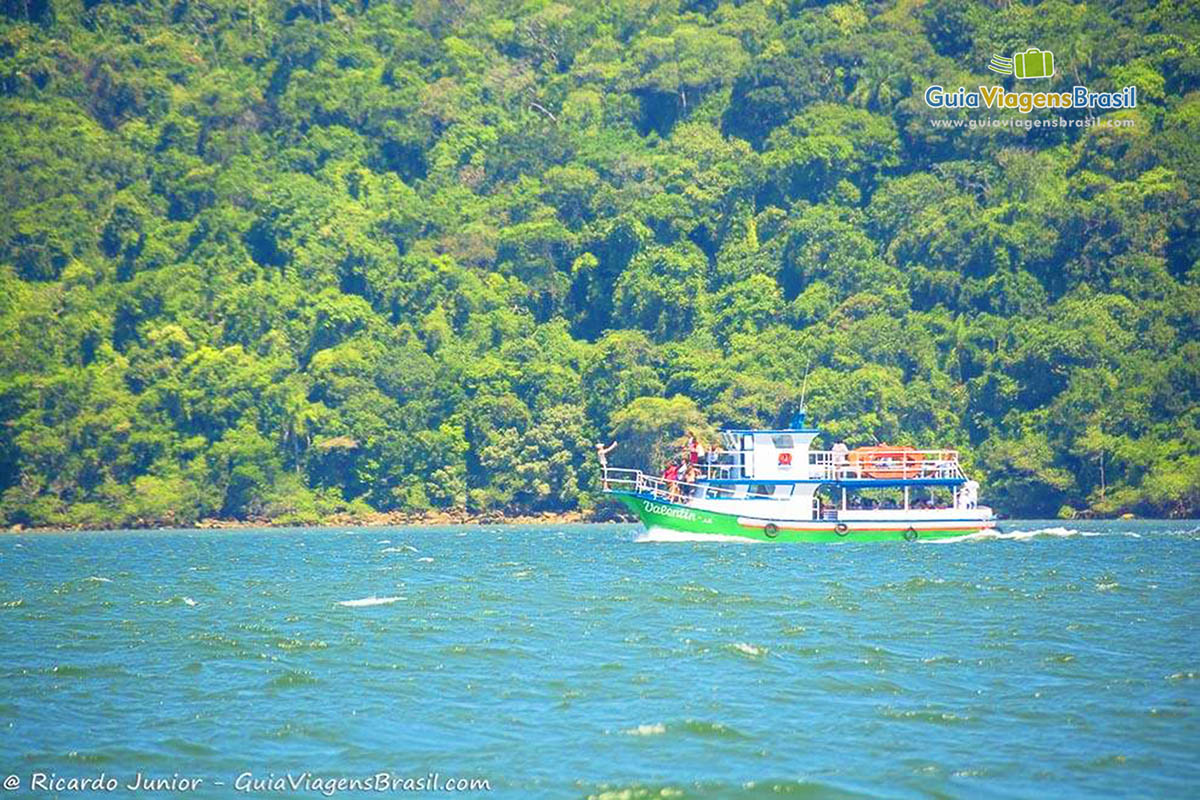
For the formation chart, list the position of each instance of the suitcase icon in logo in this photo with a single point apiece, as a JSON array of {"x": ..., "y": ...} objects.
[{"x": 1033, "y": 63}]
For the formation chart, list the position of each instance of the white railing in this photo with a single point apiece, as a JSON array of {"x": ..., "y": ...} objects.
[
  {"x": 634, "y": 480},
  {"x": 898, "y": 464},
  {"x": 725, "y": 464}
]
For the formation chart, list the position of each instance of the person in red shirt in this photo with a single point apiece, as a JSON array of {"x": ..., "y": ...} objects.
[{"x": 671, "y": 476}]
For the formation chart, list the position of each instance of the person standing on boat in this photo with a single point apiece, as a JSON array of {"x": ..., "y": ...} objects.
[
  {"x": 690, "y": 477},
  {"x": 839, "y": 451},
  {"x": 968, "y": 496},
  {"x": 695, "y": 450},
  {"x": 680, "y": 477},
  {"x": 711, "y": 460},
  {"x": 602, "y": 454},
  {"x": 671, "y": 476}
]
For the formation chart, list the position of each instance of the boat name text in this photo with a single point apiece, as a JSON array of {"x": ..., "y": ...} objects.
[{"x": 669, "y": 511}]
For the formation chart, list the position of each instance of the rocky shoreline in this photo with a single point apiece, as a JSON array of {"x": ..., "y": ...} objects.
[{"x": 372, "y": 520}]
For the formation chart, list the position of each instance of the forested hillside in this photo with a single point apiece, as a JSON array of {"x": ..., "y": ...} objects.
[{"x": 290, "y": 258}]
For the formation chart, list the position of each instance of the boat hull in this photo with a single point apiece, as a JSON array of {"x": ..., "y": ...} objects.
[{"x": 655, "y": 513}]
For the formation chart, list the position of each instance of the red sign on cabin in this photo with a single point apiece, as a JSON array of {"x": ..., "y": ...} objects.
[{"x": 785, "y": 459}]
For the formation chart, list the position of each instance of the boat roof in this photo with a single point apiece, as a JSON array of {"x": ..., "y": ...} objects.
[
  {"x": 798, "y": 422},
  {"x": 849, "y": 483},
  {"x": 770, "y": 430}
]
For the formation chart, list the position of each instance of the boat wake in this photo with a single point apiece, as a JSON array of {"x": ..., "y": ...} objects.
[
  {"x": 994, "y": 534},
  {"x": 656, "y": 534}
]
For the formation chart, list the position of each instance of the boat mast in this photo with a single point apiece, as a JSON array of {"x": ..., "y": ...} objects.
[{"x": 799, "y": 417}]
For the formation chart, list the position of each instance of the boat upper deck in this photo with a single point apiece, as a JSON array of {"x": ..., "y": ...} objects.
[{"x": 784, "y": 456}]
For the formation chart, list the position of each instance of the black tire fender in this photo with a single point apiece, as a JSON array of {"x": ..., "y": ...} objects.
[
  {"x": 771, "y": 530},
  {"x": 911, "y": 534},
  {"x": 841, "y": 529}
]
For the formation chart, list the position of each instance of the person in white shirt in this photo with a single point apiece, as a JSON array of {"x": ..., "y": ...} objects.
[
  {"x": 602, "y": 454},
  {"x": 839, "y": 451}
]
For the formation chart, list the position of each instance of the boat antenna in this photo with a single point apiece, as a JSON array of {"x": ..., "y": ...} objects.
[
  {"x": 798, "y": 417},
  {"x": 804, "y": 384}
]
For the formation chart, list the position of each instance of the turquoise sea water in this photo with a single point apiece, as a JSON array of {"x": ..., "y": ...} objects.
[{"x": 1058, "y": 660}]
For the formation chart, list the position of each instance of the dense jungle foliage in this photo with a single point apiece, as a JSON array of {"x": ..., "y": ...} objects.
[{"x": 292, "y": 258}]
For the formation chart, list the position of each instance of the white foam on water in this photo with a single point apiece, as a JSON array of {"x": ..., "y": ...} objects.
[
  {"x": 369, "y": 601},
  {"x": 657, "y": 729},
  {"x": 404, "y": 548},
  {"x": 656, "y": 534},
  {"x": 426, "y": 560},
  {"x": 98, "y": 579},
  {"x": 994, "y": 534},
  {"x": 189, "y": 601},
  {"x": 752, "y": 650},
  {"x": 384, "y": 541}
]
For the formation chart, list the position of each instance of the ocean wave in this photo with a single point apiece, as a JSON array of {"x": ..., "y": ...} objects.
[
  {"x": 293, "y": 677},
  {"x": 177, "y": 600},
  {"x": 86, "y": 671},
  {"x": 404, "y": 548},
  {"x": 687, "y": 727},
  {"x": 715, "y": 730},
  {"x": 299, "y": 644},
  {"x": 369, "y": 601},
  {"x": 798, "y": 789},
  {"x": 931, "y": 715}
]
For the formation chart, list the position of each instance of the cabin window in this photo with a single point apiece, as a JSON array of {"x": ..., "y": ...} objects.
[
  {"x": 763, "y": 488},
  {"x": 782, "y": 441}
]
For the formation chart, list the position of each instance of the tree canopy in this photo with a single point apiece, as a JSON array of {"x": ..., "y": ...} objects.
[{"x": 289, "y": 259}]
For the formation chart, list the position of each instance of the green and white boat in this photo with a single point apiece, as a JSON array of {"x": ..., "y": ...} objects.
[{"x": 769, "y": 485}]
